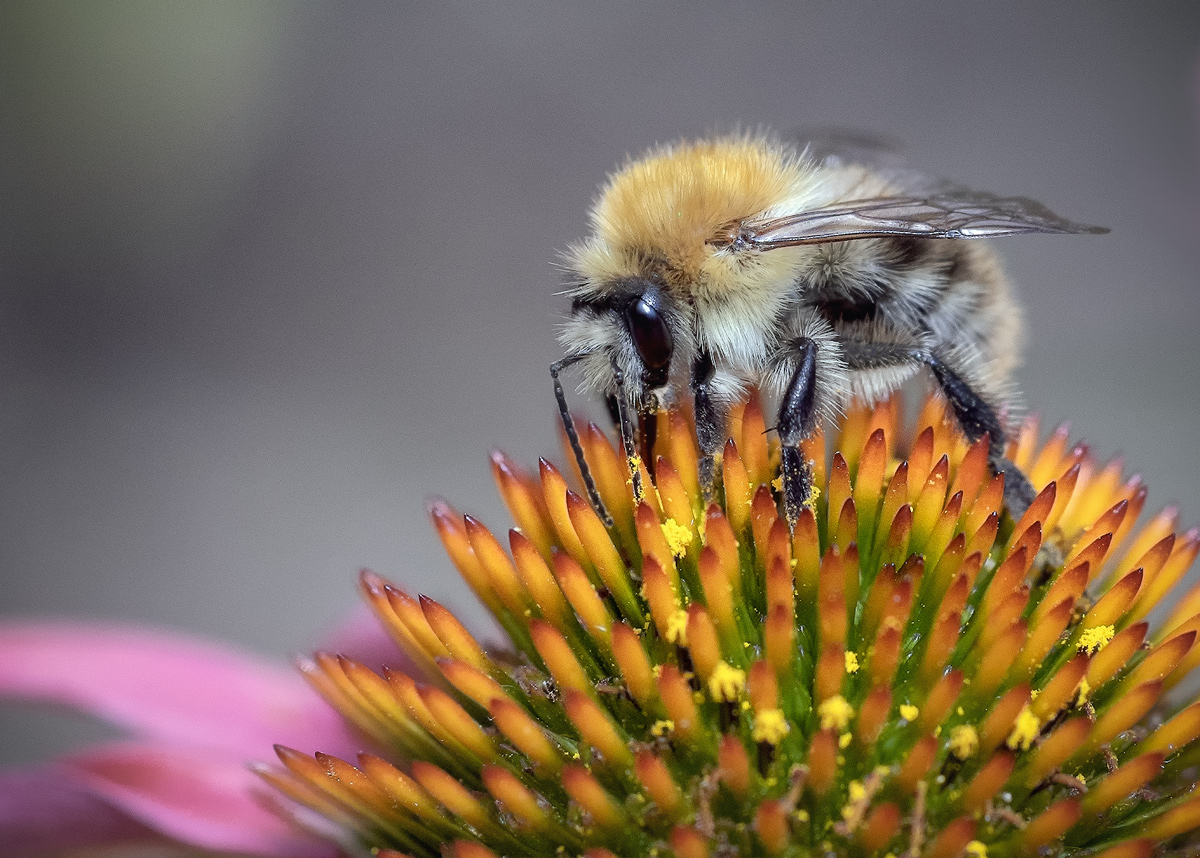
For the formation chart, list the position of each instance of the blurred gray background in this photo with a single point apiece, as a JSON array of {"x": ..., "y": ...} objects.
[{"x": 272, "y": 275}]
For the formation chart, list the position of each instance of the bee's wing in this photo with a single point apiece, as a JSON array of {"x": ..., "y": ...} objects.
[
  {"x": 838, "y": 148},
  {"x": 952, "y": 213}
]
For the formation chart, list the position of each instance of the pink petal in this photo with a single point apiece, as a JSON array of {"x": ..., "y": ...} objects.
[
  {"x": 168, "y": 687},
  {"x": 201, "y": 798},
  {"x": 43, "y": 811},
  {"x": 361, "y": 637}
]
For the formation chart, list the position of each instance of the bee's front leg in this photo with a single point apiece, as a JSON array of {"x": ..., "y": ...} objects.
[
  {"x": 797, "y": 420},
  {"x": 711, "y": 419}
]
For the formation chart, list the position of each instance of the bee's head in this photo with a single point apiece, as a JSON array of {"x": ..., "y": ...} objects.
[{"x": 633, "y": 324}]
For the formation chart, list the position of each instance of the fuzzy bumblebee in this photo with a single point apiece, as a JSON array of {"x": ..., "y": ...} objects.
[{"x": 814, "y": 275}]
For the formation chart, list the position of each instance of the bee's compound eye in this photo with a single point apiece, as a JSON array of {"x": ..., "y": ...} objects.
[{"x": 650, "y": 333}]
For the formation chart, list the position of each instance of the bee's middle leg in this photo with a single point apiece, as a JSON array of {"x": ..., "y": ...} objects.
[
  {"x": 797, "y": 420},
  {"x": 711, "y": 419}
]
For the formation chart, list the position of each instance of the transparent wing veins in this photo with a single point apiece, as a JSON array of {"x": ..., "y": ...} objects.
[{"x": 957, "y": 213}]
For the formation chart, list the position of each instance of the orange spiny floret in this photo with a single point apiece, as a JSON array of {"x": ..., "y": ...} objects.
[
  {"x": 523, "y": 498},
  {"x": 737, "y": 487},
  {"x": 701, "y": 677}
]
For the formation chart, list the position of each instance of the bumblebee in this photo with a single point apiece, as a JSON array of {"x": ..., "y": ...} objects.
[{"x": 815, "y": 274}]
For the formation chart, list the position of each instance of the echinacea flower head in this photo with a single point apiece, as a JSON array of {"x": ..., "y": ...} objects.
[{"x": 906, "y": 672}]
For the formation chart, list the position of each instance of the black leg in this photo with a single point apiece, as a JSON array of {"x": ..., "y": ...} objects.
[
  {"x": 564, "y": 414},
  {"x": 797, "y": 420},
  {"x": 627, "y": 441},
  {"x": 973, "y": 414},
  {"x": 976, "y": 417},
  {"x": 647, "y": 435},
  {"x": 710, "y": 424}
]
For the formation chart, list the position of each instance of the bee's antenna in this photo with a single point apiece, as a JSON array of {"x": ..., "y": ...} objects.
[
  {"x": 573, "y": 437},
  {"x": 631, "y": 452}
]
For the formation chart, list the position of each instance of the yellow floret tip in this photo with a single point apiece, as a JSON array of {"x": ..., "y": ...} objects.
[
  {"x": 835, "y": 713},
  {"x": 909, "y": 712},
  {"x": 1093, "y": 639},
  {"x": 677, "y": 628},
  {"x": 851, "y": 662},
  {"x": 678, "y": 536},
  {"x": 844, "y": 740},
  {"x": 963, "y": 741},
  {"x": 662, "y": 728},
  {"x": 975, "y": 849},
  {"x": 1024, "y": 731},
  {"x": 770, "y": 726},
  {"x": 726, "y": 683}
]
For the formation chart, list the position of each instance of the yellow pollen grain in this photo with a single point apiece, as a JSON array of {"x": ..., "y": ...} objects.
[
  {"x": 811, "y": 503},
  {"x": 726, "y": 683},
  {"x": 844, "y": 740},
  {"x": 835, "y": 713},
  {"x": 975, "y": 849},
  {"x": 963, "y": 741},
  {"x": 909, "y": 712},
  {"x": 851, "y": 662},
  {"x": 855, "y": 791},
  {"x": 745, "y": 705},
  {"x": 656, "y": 671},
  {"x": 1084, "y": 690},
  {"x": 661, "y": 728},
  {"x": 678, "y": 536},
  {"x": 777, "y": 483},
  {"x": 677, "y": 628},
  {"x": 1024, "y": 731},
  {"x": 801, "y": 815},
  {"x": 1093, "y": 639},
  {"x": 770, "y": 726}
]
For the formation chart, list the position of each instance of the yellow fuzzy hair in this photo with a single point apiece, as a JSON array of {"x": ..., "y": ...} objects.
[{"x": 670, "y": 203}]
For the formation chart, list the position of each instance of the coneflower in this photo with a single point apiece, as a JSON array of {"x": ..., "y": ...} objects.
[{"x": 908, "y": 672}]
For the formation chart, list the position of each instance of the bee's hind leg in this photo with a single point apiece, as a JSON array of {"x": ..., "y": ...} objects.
[
  {"x": 711, "y": 419},
  {"x": 974, "y": 415},
  {"x": 976, "y": 418}
]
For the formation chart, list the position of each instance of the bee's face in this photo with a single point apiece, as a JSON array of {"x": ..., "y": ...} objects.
[{"x": 634, "y": 324}]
